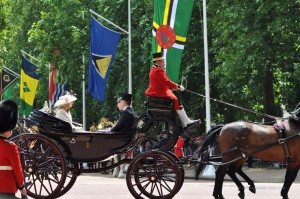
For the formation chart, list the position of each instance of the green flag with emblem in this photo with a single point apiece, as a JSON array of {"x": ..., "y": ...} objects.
[
  {"x": 8, "y": 82},
  {"x": 28, "y": 86},
  {"x": 170, "y": 26}
]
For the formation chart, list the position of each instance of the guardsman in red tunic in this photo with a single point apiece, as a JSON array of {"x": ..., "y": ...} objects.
[
  {"x": 11, "y": 173},
  {"x": 160, "y": 86},
  {"x": 178, "y": 148}
]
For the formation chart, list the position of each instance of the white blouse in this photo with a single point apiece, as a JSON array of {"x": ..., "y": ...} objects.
[{"x": 64, "y": 115}]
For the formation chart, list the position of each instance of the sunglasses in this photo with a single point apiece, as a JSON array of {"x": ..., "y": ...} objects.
[{"x": 119, "y": 101}]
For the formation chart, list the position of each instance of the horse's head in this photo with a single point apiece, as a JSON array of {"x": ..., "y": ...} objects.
[{"x": 295, "y": 114}]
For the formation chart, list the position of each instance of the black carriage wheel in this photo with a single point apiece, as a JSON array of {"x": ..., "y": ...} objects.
[
  {"x": 70, "y": 181},
  {"x": 162, "y": 134},
  {"x": 181, "y": 169},
  {"x": 71, "y": 177},
  {"x": 44, "y": 164},
  {"x": 153, "y": 174}
]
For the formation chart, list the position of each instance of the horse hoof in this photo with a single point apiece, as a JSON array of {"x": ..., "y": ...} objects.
[
  {"x": 241, "y": 195},
  {"x": 219, "y": 197},
  {"x": 252, "y": 189}
]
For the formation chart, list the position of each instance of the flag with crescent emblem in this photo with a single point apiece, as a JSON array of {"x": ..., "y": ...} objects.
[
  {"x": 170, "y": 26},
  {"x": 104, "y": 43}
]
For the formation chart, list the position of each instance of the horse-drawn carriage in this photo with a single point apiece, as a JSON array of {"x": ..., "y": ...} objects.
[{"x": 52, "y": 154}]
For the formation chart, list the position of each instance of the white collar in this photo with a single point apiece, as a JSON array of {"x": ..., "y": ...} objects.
[{"x": 125, "y": 107}]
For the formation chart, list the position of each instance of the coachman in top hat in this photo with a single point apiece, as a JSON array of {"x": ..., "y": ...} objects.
[{"x": 160, "y": 85}]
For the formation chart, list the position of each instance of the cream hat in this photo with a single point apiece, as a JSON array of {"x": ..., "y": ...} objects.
[{"x": 65, "y": 99}]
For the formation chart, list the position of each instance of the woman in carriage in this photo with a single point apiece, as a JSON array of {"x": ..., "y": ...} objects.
[{"x": 63, "y": 105}]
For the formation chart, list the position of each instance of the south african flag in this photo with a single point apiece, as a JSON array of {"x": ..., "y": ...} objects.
[{"x": 170, "y": 26}]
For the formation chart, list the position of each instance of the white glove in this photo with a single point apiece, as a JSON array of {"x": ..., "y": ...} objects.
[{"x": 180, "y": 87}]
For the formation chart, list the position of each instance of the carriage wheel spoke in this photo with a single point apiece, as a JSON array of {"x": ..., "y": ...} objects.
[
  {"x": 153, "y": 175},
  {"x": 158, "y": 189},
  {"x": 167, "y": 187},
  {"x": 44, "y": 161}
]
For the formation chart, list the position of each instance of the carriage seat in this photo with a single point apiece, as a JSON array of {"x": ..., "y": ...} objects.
[
  {"x": 160, "y": 106},
  {"x": 48, "y": 122}
]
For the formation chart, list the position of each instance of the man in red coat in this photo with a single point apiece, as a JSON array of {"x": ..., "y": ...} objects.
[
  {"x": 11, "y": 173},
  {"x": 160, "y": 86},
  {"x": 178, "y": 148}
]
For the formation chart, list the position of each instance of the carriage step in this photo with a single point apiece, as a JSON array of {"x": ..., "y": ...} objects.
[{"x": 192, "y": 125}]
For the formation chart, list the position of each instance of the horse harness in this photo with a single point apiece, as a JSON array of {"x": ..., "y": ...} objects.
[
  {"x": 280, "y": 128},
  {"x": 283, "y": 140}
]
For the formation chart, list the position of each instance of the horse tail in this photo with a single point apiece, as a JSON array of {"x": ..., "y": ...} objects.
[{"x": 202, "y": 153}]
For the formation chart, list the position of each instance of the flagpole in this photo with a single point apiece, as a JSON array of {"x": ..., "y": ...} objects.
[
  {"x": 129, "y": 50},
  {"x": 49, "y": 103},
  {"x": 83, "y": 89},
  {"x": 207, "y": 93},
  {"x": 91, "y": 11},
  {"x": 30, "y": 56},
  {"x": 209, "y": 169},
  {"x": 14, "y": 73}
]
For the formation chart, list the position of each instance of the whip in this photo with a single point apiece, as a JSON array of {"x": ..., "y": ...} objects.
[{"x": 235, "y": 106}]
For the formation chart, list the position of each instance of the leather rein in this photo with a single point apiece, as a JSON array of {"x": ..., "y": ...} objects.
[{"x": 280, "y": 141}]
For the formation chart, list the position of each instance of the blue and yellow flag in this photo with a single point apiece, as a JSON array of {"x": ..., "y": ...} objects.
[
  {"x": 104, "y": 43},
  {"x": 28, "y": 86},
  {"x": 171, "y": 20}
]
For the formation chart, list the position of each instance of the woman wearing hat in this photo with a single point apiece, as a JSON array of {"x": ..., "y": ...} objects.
[
  {"x": 160, "y": 86},
  {"x": 11, "y": 173},
  {"x": 63, "y": 105}
]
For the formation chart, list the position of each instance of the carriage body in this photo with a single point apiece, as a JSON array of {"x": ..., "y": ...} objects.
[
  {"x": 53, "y": 153},
  {"x": 82, "y": 146}
]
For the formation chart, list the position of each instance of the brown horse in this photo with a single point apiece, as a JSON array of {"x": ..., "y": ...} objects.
[
  {"x": 203, "y": 154},
  {"x": 239, "y": 140}
]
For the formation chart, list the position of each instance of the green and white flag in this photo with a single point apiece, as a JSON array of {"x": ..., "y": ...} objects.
[{"x": 170, "y": 26}]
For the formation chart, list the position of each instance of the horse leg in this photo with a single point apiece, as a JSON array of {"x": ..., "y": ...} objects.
[
  {"x": 290, "y": 176},
  {"x": 248, "y": 180},
  {"x": 122, "y": 166},
  {"x": 220, "y": 174},
  {"x": 116, "y": 172},
  {"x": 231, "y": 173}
]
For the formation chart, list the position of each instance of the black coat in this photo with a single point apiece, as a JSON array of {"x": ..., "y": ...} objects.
[{"x": 125, "y": 122}]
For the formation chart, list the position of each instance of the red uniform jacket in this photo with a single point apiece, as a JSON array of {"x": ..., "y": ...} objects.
[
  {"x": 178, "y": 148},
  {"x": 9, "y": 156},
  {"x": 160, "y": 85}
]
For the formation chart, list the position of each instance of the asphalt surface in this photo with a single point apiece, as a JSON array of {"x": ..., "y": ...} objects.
[
  {"x": 265, "y": 174},
  {"x": 268, "y": 183},
  {"x": 258, "y": 174}
]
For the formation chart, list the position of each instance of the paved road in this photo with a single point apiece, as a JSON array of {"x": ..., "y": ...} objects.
[
  {"x": 113, "y": 188},
  {"x": 268, "y": 184}
]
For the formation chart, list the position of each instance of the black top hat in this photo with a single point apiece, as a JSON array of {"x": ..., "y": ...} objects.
[
  {"x": 158, "y": 56},
  {"x": 8, "y": 115},
  {"x": 126, "y": 97}
]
